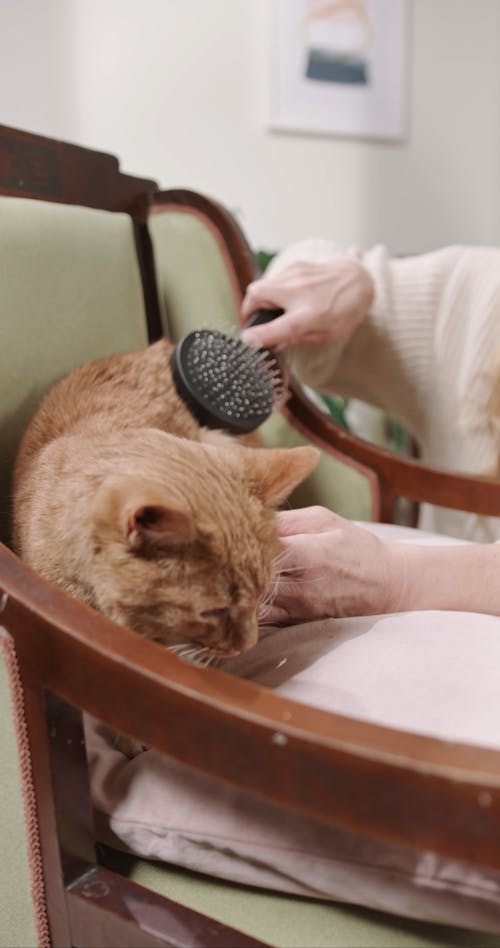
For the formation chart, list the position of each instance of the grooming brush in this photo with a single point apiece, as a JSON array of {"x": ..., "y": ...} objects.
[{"x": 225, "y": 383}]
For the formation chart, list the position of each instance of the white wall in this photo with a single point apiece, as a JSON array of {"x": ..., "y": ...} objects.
[
  {"x": 178, "y": 89},
  {"x": 37, "y": 79}
]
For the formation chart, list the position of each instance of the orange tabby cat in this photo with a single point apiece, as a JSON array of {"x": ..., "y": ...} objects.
[{"x": 124, "y": 501}]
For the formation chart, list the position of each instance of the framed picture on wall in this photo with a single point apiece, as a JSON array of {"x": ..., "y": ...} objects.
[{"x": 340, "y": 67}]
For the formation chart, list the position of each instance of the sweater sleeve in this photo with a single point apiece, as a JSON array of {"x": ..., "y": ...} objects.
[{"x": 388, "y": 359}]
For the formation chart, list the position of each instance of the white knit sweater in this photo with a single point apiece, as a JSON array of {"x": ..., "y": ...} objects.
[{"x": 428, "y": 354}]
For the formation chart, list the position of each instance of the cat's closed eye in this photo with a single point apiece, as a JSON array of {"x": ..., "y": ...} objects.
[{"x": 219, "y": 614}]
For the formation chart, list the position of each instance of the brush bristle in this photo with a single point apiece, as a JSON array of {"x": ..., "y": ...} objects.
[{"x": 238, "y": 385}]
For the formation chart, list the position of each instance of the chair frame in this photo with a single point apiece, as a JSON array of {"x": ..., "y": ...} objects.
[{"x": 408, "y": 789}]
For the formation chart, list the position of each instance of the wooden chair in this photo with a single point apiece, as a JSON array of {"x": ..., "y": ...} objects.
[{"x": 60, "y": 658}]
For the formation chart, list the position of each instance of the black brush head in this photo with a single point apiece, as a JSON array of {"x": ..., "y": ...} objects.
[{"x": 224, "y": 383}]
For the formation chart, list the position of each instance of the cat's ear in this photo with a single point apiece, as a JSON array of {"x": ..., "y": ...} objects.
[
  {"x": 159, "y": 524},
  {"x": 274, "y": 472},
  {"x": 142, "y": 514}
]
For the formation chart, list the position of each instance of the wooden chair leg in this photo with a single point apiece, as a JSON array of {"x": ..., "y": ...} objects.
[{"x": 103, "y": 907}]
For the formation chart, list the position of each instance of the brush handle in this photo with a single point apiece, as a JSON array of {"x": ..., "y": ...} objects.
[{"x": 263, "y": 316}]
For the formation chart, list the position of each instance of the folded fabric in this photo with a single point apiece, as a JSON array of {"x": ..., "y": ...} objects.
[{"x": 435, "y": 673}]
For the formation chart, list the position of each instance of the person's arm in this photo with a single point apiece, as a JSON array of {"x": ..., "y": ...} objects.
[
  {"x": 333, "y": 567},
  {"x": 463, "y": 578}
]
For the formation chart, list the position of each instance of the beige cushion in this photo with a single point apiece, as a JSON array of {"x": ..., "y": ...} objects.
[
  {"x": 434, "y": 673},
  {"x": 70, "y": 292}
]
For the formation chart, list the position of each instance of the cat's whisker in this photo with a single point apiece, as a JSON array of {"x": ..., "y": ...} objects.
[
  {"x": 266, "y": 606},
  {"x": 195, "y": 654},
  {"x": 200, "y": 655},
  {"x": 208, "y": 659},
  {"x": 280, "y": 579},
  {"x": 186, "y": 653},
  {"x": 279, "y": 559},
  {"x": 271, "y": 595}
]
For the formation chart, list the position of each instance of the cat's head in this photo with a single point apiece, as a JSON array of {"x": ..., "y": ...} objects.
[{"x": 185, "y": 551}]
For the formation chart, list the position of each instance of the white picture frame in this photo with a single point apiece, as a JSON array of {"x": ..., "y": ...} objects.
[{"x": 339, "y": 67}]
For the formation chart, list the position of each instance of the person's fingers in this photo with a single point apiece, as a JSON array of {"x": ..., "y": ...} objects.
[
  {"x": 291, "y": 604},
  {"x": 286, "y": 330},
  {"x": 258, "y": 294},
  {"x": 280, "y": 615},
  {"x": 319, "y": 337},
  {"x": 305, "y": 520},
  {"x": 295, "y": 601}
]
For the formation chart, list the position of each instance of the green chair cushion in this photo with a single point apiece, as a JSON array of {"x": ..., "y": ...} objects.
[
  {"x": 293, "y": 922},
  {"x": 192, "y": 276}
]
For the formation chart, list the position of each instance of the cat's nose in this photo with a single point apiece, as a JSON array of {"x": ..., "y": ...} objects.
[
  {"x": 248, "y": 643},
  {"x": 245, "y": 637}
]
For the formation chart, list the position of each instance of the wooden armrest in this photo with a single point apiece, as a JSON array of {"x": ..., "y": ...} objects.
[
  {"x": 405, "y": 788},
  {"x": 392, "y": 475}
]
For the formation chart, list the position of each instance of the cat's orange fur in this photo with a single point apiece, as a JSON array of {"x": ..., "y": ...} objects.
[{"x": 121, "y": 499}]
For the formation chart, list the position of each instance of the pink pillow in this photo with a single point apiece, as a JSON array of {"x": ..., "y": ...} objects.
[{"x": 436, "y": 673}]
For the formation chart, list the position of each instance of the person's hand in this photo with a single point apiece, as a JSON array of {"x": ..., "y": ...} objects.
[
  {"x": 332, "y": 567},
  {"x": 323, "y": 302}
]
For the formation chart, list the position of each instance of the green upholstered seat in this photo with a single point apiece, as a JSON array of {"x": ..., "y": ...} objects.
[
  {"x": 291, "y": 922},
  {"x": 192, "y": 277}
]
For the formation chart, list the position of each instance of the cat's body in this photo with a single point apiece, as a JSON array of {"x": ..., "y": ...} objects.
[{"x": 121, "y": 499}]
